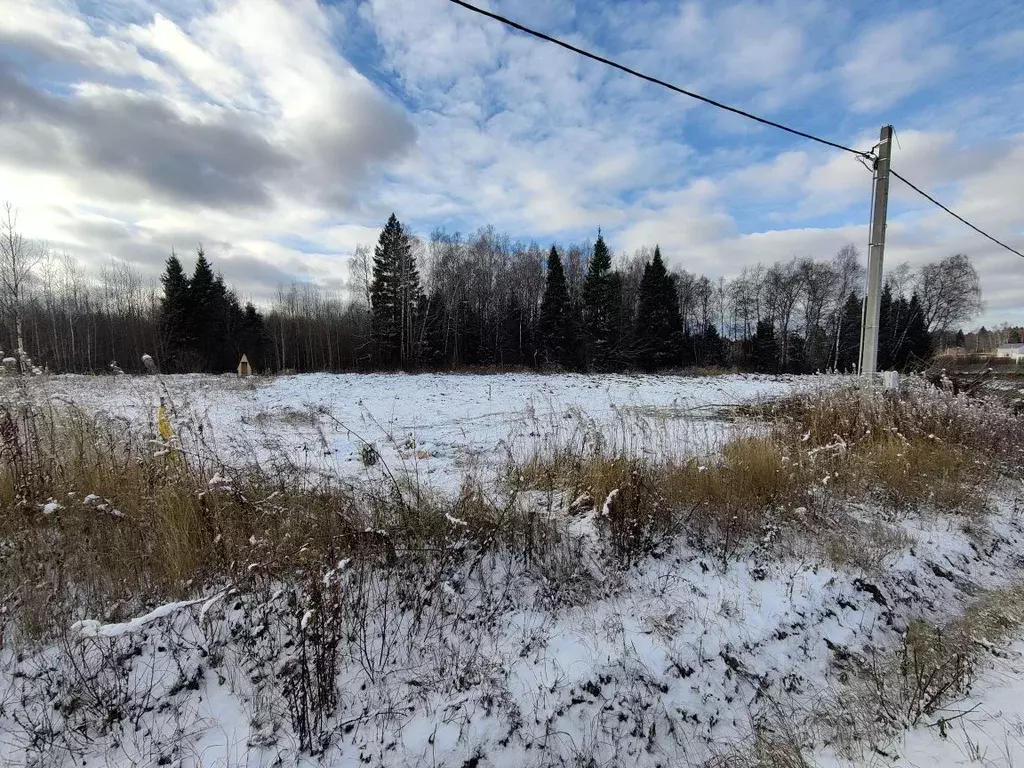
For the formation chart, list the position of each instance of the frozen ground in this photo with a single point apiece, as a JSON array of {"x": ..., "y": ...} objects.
[
  {"x": 985, "y": 730},
  {"x": 578, "y": 663},
  {"x": 671, "y": 664},
  {"x": 439, "y": 427}
]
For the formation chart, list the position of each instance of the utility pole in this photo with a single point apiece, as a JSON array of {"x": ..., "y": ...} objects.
[{"x": 876, "y": 250}]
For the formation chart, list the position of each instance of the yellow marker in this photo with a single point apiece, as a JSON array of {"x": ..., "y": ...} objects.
[{"x": 163, "y": 423}]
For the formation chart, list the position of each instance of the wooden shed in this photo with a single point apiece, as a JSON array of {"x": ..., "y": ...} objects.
[{"x": 244, "y": 369}]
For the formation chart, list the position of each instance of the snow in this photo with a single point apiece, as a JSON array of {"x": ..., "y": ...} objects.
[
  {"x": 435, "y": 427},
  {"x": 93, "y": 628},
  {"x": 511, "y": 664},
  {"x": 50, "y": 507},
  {"x": 984, "y": 730},
  {"x": 678, "y": 648},
  {"x": 609, "y": 502}
]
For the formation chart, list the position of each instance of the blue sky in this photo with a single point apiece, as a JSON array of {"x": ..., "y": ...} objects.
[{"x": 282, "y": 134}]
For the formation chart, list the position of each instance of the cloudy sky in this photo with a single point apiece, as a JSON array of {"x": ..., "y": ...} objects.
[{"x": 281, "y": 133}]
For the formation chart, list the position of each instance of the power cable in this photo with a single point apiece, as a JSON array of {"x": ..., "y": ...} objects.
[
  {"x": 955, "y": 215},
  {"x": 764, "y": 121},
  {"x": 656, "y": 81}
]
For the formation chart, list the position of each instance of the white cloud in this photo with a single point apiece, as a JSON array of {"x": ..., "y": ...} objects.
[
  {"x": 244, "y": 124},
  {"x": 247, "y": 125},
  {"x": 893, "y": 60},
  {"x": 1006, "y": 45}
]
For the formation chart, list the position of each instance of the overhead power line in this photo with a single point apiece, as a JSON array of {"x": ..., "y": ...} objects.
[
  {"x": 656, "y": 81},
  {"x": 736, "y": 111},
  {"x": 955, "y": 215}
]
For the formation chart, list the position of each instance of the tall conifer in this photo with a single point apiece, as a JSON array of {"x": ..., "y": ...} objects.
[
  {"x": 599, "y": 307},
  {"x": 555, "y": 314}
]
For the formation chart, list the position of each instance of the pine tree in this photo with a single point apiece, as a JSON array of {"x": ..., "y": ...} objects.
[
  {"x": 599, "y": 307},
  {"x": 848, "y": 344},
  {"x": 394, "y": 297},
  {"x": 765, "y": 351},
  {"x": 555, "y": 314},
  {"x": 254, "y": 339},
  {"x": 175, "y": 312},
  {"x": 658, "y": 323},
  {"x": 712, "y": 348},
  {"x": 919, "y": 342}
]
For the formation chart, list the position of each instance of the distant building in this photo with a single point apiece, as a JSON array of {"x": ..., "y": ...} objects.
[
  {"x": 244, "y": 369},
  {"x": 1013, "y": 351}
]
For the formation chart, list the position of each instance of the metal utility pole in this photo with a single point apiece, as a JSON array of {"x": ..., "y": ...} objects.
[{"x": 876, "y": 250}]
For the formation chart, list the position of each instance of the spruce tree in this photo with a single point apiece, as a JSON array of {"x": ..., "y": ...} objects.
[
  {"x": 658, "y": 323},
  {"x": 919, "y": 342},
  {"x": 408, "y": 297},
  {"x": 599, "y": 307},
  {"x": 796, "y": 362},
  {"x": 206, "y": 307},
  {"x": 254, "y": 339},
  {"x": 847, "y": 357},
  {"x": 712, "y": 348},
  {"x": 765, "y": 352},
  {"x": 175, "y": 330},
  {"x": 617, "y": 321},
  {"x": 394, "y": 297},
  {"x": 383, "y": 300},
  {"x": 888, "y": 330},
  {"x": 555, "y": 314}
]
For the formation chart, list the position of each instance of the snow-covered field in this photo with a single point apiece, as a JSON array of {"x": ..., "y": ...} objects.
[
  {"x": 575, "y": 662},
  {"x": 438, "y": 427}
]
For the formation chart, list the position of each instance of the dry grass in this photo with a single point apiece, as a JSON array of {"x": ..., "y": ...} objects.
[
  {"x": 934, "y": 666},
  {"x": 727, "y": 498},
  {"x": 804, "y": 463},
  {"x": 102, "y": 518},
  {"x": 906, "y": 475},
  {"x": 857, "y": 413}
]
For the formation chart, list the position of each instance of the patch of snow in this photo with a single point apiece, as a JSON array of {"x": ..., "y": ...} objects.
[
  {"x": 93, "y": 628},
  {"x": 51, "y": 507},
  {"x": 609, "y": 503}
]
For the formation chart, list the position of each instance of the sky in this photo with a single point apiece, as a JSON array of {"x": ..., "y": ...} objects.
[{"x": 281, "y": 134}]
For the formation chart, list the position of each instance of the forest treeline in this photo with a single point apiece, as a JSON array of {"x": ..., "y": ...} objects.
[{"x": 486, "y": 300}]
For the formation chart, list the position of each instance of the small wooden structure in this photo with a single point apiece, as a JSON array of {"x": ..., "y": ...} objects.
[{"x": 244, "y": 369}]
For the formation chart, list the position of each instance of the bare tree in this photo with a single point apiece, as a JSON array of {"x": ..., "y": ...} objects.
[
  {"x": 849, "y": 271},
  {"x": 782, "y": 291},
  {"x": 360, "y": 266},
  {"x": 949, "y": 292},
  {"x": 18, "y": 257},
  {"x": 818, "y": 284},
  {"x": 899, "y": 279}
]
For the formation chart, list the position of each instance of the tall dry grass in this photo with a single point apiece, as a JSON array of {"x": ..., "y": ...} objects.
[
  {"x": 801, "y": 464},
  {"x": 101, "y": 518}
]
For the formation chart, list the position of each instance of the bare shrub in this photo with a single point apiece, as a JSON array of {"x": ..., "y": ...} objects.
[{"x": 932, "y": 666}]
